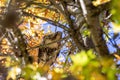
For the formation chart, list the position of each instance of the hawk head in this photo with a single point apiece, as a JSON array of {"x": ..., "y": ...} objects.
[{"x": 52, "y": 40}]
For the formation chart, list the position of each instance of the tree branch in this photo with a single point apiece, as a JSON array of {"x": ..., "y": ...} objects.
[
  {"x": 96, "y": 29},
  {"x": 40, "y": 5},
  {"x": 73, "y": 32},
  {"x": 47, "y": 20}
]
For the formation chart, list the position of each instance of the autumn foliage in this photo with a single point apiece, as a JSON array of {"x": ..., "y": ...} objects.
[{"x": 59, "y": 40}]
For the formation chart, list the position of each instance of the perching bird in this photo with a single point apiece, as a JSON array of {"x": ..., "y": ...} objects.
[{"x": 50, "y": 50}]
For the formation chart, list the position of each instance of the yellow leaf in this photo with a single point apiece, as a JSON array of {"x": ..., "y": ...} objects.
[
  {"x": 116, "y": 27},
  {"x": 99, "y": 2},
  {"x": 80, "y": 59}
]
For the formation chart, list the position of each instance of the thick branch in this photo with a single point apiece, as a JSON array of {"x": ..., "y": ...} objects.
[
  {"x": 97, "y": 35},
  {"x": 75, "y": 34},
  {"x": 96, "y": 30}
]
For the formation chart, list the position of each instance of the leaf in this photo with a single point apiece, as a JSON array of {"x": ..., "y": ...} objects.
[
  {"x": 116, "y": 27},
  {"x": 91, "y": 55},
  {"x": 115, "y": 11},
  {"x": 99, "y": 2},
  {"x": 117, "y": 56},
  {"x": 80, "y": 58}
]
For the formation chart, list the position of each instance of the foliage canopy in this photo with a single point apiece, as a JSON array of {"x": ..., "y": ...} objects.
[{"x": 59, "y": 39}]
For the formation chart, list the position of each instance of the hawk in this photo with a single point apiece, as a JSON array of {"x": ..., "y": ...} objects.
[{"x": 50, "y": 49}]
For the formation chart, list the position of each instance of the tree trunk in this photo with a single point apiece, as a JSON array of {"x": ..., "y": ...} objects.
[
  {"x": 97, "y": 36},
  {"x": 96, "y": 30}
]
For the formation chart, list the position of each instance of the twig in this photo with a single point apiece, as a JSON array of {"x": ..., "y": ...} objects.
[
  {"x": 57, "y": 6},
  {"x": 47, "y": 20}
]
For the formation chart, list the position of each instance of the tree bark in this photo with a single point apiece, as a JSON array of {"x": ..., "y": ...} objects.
[
  {"x": 96, "y": 30},
  {"x": 97, "y": 36}
]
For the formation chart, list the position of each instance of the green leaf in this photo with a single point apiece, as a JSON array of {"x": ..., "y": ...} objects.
[
  {"x": 91, "y": 55},
  {"x": 116, "y": 11},
  {"x": 86, "y": 32},
  {"x": 80, "y": 58}
]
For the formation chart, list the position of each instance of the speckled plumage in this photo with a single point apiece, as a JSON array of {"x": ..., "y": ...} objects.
[{"x": 51, "y": 44}]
